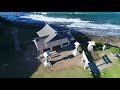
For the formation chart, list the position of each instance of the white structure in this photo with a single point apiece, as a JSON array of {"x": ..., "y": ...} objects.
[
  {"x": 90, "y": 45},
  {"x": 76, "y": 52},
  {"x": 85, "y": 59},
  {"x": 50, "y": 39},
  {"x": 104, "y": 47},
  {"x": 46, "y": 56},
  {"x": 47, "y": 64}
]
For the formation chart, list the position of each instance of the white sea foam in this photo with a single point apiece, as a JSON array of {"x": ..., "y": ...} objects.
[
  {"x": 24, "y": 18},
  {"x": 94, "y": 26},
  {"x": 77, "y": 13},
  {"x": 29, "y": 18},
  {"x": 44, "y": 13},
  {"x": 75, "y": 22},
  {"x": 52, "y": 19}
]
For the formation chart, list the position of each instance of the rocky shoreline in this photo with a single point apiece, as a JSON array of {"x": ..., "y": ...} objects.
[{"x": 113, "y": 40}]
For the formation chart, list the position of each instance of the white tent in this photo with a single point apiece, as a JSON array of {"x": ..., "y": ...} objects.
[
  {"x": 90, "y": 45},
  {"x": 46, "y": 56},
  {"x": 85, "y": 59},
  {"x": 76, "y": 52}
]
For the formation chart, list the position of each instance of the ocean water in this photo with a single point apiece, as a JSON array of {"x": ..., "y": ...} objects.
[{"x": 94, "y": 23}]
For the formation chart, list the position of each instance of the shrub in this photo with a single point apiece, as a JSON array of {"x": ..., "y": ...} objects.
[{"x": 98, "y": 46}]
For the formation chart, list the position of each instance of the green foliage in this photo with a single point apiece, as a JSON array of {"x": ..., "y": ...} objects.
[
  {"x": 112, "y": 72},
  {"x": 98, "y": 46},
  {"x": 115, "y": 50}
]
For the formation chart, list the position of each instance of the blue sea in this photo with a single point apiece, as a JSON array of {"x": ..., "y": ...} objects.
[{"x": 94, "y": 23}]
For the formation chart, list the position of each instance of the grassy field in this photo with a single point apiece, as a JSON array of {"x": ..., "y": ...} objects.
[
  {"x": 114, "y": 71},
  {"x": 71, "y": 73}
]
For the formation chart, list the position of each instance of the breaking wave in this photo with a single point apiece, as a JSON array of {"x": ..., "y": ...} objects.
[
  {"x": 44, "y": 13},
  {"x": 90, "y": 27},
  {"x": 94, "y": 25},
  {"x": 52, "y": 19}
]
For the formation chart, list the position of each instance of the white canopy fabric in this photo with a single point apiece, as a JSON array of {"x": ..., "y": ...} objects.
[
  {"x": 77, "y": 43},
  {"x": 91, "y": 43}
]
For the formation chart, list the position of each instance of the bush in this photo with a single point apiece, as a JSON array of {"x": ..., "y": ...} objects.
[{"x": 98, "y": 46}]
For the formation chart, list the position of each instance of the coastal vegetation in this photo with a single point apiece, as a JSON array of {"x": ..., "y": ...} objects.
[{"x": 113, "y": 70}]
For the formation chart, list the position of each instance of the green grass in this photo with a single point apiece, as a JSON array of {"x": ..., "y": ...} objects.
[
  {"x": 108, "y": 49},
  {"x": 71, "y": 73},
  {"x": 112, "y": 72},
  {"x": 115, "y": 50}
]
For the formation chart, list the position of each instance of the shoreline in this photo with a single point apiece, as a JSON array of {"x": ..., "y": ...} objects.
[{"x": 113, "y": 40}]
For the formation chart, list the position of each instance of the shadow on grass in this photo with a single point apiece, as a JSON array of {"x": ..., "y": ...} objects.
[
  {"x": 118, "y": 56},
  {"x": 98, "y": 47},
  {"x": 100, "y": 64},
  {"x": 83, "y": 40},
  {"x": 98, "y": 59},
  {"x": 53, "y": 62},
  {"x": 106, "y": 59},
  {"x": 65, "y": 58},
  {"x": 55, "y": 56},
  {"x": 109, "y": 46},
  {"x": 94, "y": 69},
  {"x": 68, "y": 57}
]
